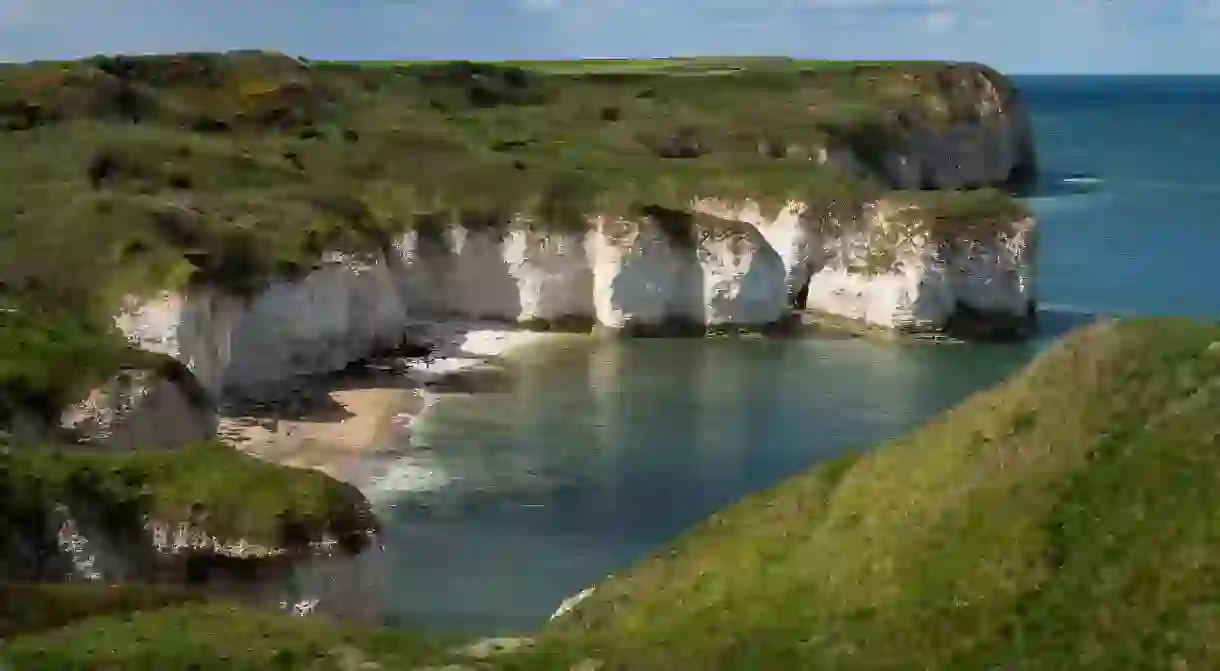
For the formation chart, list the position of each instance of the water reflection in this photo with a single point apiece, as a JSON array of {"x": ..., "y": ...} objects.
[{"x": 591, "y": 455}]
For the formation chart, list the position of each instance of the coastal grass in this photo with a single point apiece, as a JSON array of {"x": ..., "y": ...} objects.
[
  {"x": 217, "y": 635},
  {"x": 1063, "y": 519},
  {"x": 37, "y": 607},
  {"x": 228, "y": 494},
  {"x": 690, "y": 65}
]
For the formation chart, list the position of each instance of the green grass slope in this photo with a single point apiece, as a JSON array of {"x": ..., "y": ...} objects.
[
  {"x": 1063, "y": 520},
  {"x": 216, "y": 636}
]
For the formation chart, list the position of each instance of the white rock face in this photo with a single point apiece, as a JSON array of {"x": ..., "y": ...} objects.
[
  {"x": 712, "y": 272},
  {"x": 553, "y": 274},
  {"x": 458, "y": 272},
  {"x": 985, "y": 151},
  {"x": 142, "y": 408},
  {"x": 333, "y": 316},
  {"x": 744, "y": 279},
  {"x": 890, "y": 274},
  {"x": 786, "y": 232},
  {"x": 739, "y": 269},
  {"x": 336, "y": 314},
  {"x": 641, "y": 277},
  {"x": 619, "y": 273}
]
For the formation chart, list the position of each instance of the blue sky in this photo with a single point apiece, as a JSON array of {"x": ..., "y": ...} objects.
[{"x": 1017, "y": 36}]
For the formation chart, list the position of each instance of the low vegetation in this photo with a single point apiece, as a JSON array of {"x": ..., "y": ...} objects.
[
  {"x": 228, "y": 494},
  {"x": 227, "y": 169},
  {"x": 217, "y": 636},
  {"x": 34, "y": 608}
]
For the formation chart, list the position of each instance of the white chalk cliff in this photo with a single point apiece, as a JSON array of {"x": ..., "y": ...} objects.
[
  {"x": 728, "y": 265},
  {"x": 891, "y": 272}
]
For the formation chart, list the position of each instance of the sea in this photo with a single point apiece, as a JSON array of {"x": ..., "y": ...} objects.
[{"x": 575, "y": 461}]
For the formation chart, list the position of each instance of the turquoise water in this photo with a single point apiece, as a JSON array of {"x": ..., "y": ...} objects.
[
  {"x": 584, "y": 460},
  {"x": 1146, "y": 241}
]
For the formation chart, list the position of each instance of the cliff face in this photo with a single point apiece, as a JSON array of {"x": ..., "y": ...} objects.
[
  {"x": 989, "y": 142},
  {"x": 647, "y": 272},
  {"x": 974, "y": 132},
  {"x": 890, "y": 271},
  {"x": 727, "y": 264},
  {"x": 143, "y": 408}
]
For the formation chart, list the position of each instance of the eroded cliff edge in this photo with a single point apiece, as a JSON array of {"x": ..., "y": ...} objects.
[{"x": 890, "y": 263}]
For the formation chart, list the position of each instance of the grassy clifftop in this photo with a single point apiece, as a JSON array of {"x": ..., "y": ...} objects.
[
  {"x": 229, "y": 495},
  {"x": 1064, "y": 519}
]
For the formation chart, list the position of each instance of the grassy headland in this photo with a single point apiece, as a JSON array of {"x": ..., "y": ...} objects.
[{"x": 231, "y": 496}]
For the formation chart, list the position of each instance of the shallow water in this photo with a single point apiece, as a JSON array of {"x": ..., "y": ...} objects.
[
  {"x": 588, "y": 456},
  {"x": 581, "y": 461}
]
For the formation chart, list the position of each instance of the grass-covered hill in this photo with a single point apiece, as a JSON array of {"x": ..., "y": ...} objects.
[{"x": 1064, "y": 519}]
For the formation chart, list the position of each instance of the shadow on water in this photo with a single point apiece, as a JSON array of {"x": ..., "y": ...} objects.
[{"x": 1056, "y": 322}]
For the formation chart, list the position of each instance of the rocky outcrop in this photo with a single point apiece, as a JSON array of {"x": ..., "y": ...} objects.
[
  {"x": 993, "y": 149},
  {"x": 883, "y": 264},
  {"x": 890, "y": 269},
  {"x": 144, "y": 408},
  {"x": 340, "y": 312},
  {"x": 972, "y": 131},
  {"x": 676, "y": 268}
]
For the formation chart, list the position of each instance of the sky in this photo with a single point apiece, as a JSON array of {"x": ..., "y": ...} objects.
[{"x": 1015, "y": 36}]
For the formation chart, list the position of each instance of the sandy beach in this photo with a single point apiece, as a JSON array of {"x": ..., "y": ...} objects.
[{"x": 348, "y": 426}]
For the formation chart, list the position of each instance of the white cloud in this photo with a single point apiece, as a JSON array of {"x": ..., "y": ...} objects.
[
  {"x": 541, "y": 5},
  {"x": 942, "y": 21}
]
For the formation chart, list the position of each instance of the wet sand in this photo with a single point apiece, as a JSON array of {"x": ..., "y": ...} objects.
[
  {"x": 335, "y": 446},
  {"x": 351, "y": 426}
]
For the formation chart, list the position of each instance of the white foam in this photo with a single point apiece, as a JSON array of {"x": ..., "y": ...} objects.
[
  {"x": 459, "y": 350},
  {"x": 494, "y": 342},
  {"x": 406, "y": 475}
]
